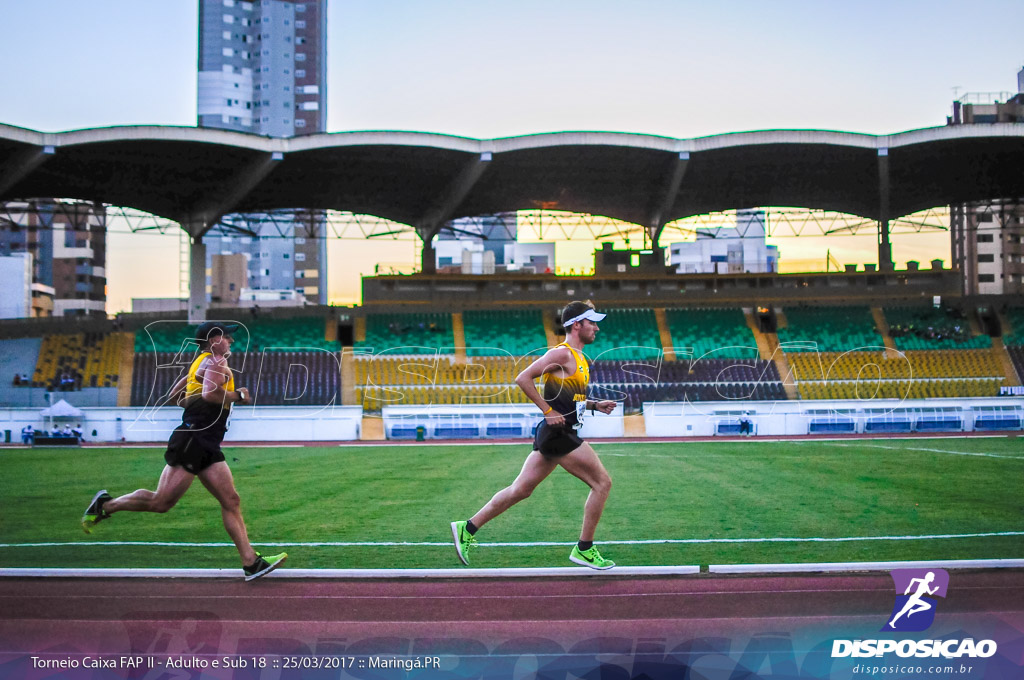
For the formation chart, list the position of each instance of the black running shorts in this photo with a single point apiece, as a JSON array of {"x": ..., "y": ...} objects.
[
  {"x": 555, "y": 442},
  {"x": 194, "y": 450}
]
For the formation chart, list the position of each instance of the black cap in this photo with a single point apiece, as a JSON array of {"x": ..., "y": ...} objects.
[{"x": 207, "y": 330}]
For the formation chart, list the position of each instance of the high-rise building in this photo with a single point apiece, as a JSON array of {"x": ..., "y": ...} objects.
[
  {"x": 262, "y": 70},
  {"x": 262, "y": 66},
  {"x": 988, "y": 237},
  {"x": 67, "y": 245}
]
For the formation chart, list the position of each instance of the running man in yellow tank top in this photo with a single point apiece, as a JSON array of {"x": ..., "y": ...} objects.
[
  {"x": 563, "y": 404},
  {"x": 207, "y": 392}
]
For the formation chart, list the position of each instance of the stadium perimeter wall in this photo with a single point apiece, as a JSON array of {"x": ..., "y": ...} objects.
[
  {"x": 516, "y": 421},
  {"x": 262, "y": 423},
  {"x": 498, "y": 421},
  {"x": 821, "y": 416}
]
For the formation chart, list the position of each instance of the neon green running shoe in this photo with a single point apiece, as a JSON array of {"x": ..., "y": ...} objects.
[
  {"x": 590, "y": 558},
  {"x": 464, "y": 541},
  {"x": 94, "y": 513},
  {"x": 263, "y": 565}
]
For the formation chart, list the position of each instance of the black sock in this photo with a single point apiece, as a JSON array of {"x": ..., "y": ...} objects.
[
  {"x": 470, "y": 527},
  {"x": 585, "y": 545}
]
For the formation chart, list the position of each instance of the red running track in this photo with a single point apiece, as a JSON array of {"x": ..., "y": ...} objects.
[{"x": 48, "y": 616}]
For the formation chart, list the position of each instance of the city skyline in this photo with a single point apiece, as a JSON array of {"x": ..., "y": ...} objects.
[
  {"x": 669, "y": 68},
  {"x": 262, "y": 71}
]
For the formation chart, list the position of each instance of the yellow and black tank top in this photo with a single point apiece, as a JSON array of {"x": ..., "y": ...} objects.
[
  {"x": 568, "y": 395},
  {"x": 198, "y": 412}
]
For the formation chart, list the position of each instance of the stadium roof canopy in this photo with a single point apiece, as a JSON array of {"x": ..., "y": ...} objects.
[{"x": 194, "y": 176}]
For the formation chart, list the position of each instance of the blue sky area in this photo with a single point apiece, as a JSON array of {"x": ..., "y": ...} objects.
[{"x": 493, "y": 69}]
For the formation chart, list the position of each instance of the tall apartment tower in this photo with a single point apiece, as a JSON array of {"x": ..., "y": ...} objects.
[
  {"x": 67, "y": 248},
  {"x": 262, "y": 66},
  {"x": 988, "y": 238},
  {"x": 263, "y": 70}
]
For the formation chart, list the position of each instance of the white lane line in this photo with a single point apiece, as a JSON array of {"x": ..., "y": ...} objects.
[
  {"x": 522, "y": 572},
  {"x": 863, "y": 566},
  {"x": 954, "y": 453},
  {"x": 518, "y": 544},
  {"x": 515, "y": 572}
]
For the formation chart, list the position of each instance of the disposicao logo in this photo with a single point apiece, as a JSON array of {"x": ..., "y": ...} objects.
[
  {"x": 916, "y": 590},
  {"x": 914, "y": 611}
]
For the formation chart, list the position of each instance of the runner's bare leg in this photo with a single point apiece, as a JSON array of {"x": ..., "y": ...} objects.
[
  {"x": 535, "y": 470},
  {"x": 584, "y": 464},
  {"x": 174, "y": 482},
  {"x": 218, "y": 481}
]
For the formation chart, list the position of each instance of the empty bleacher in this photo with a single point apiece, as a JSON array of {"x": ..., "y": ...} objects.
[
  {"x": 894, "y": 365},
  {"x": 273, "y": 378},
  {"x": 694, "y": 380},
  {"x": 424, "y": 370},
  {"x": 76, "y": 360},
  {"x": 1013, "y": 339},
  {"x": 721, "y": 333},
  {"x": 626, "y": 362},
  {"x": 1016, "y": 353},
  {"x": 276, "y": 335},
  {"x": 893, "y": 374},
  {"x": 516, "y": 331},
  {"x": 1014, "y": 335},
  {"x": 831, "y": 329},
  {"x": 902, "y": 389},
  {"x": 626, "y": 334},
  {"x": 419, "y": 333},
  {"x": 413, "y": 360},
  {"x": 437, "y": 379},
  {"x": 373, "y": 398}
]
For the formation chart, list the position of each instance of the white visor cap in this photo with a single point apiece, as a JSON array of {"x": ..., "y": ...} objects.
[{"x": 589, "y": 314}]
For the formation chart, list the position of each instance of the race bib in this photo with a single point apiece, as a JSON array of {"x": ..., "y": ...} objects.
[{"x": 581, "y": 410}]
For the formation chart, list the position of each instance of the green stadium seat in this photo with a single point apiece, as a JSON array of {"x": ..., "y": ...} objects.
[
  {"x": 516, "y": 331},
  {"x": 932, "y": 328},
  {"x": 627, "y": 334},
  {"x": 419, "y": 333},
  {"x": 720, "y": 333},
  {"x": 1014, "y": 336},
  {"x": 276, "y": 335},
  {"x": 834, "y": 329}
]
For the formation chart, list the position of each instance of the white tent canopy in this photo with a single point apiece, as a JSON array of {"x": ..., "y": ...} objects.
[{"x": 61, "y": 409}]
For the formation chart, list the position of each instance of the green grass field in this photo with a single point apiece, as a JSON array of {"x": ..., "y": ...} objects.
[{"x": 697, "y": 491}]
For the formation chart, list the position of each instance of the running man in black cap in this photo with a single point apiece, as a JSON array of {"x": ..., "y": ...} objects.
[
  {"x": 207, "y": 393},
  {"x": 563, "y": 403}
]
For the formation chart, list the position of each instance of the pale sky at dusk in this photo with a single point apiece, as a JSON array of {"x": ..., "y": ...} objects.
[{"x": 668, "y": 67}]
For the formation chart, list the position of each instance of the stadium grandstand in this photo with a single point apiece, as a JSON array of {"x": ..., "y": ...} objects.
[
  {"x": 443, "y": 348},
  {"x": 856, "y": 356}
]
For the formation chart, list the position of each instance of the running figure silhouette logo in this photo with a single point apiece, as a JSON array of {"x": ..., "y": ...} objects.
[{"x": 915, "y": 607}]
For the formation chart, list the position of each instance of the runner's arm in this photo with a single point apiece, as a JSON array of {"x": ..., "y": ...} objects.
[
  {"x": 602, "y": 405},
  {"x": 173, "y": 393},
  {"x": 553, "y": 360},
  {"x": 215, "y": 374}
]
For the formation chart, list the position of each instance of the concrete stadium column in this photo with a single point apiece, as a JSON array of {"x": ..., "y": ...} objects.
[
  {"x": 428, "y": 259},
  {"x": 197, "y": 304},
  {"x": 202, "y": 217},
  {"x": 663, "y": 203},
  {"x": 885, "y": 263},
  {"x": 429, "y": 225}
]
